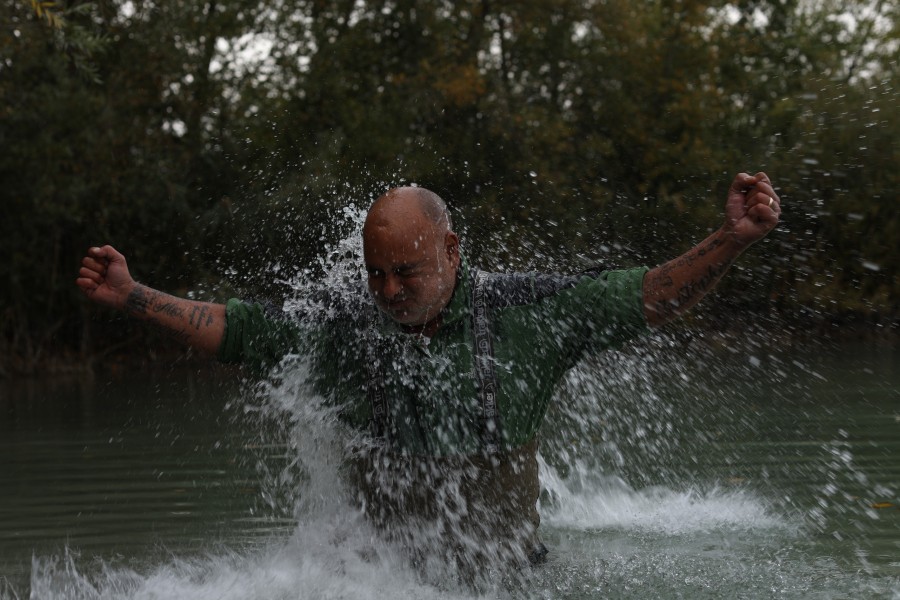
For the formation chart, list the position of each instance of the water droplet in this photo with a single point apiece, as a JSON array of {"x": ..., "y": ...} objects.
[{"x": 871, "y": 266}]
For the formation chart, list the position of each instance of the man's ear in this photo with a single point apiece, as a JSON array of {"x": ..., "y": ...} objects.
[{"x": 451, "y": 245}]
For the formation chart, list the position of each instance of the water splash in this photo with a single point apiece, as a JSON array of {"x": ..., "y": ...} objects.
[
  {"x": 590, "y": 501},
  {"x": 630, "y": 505},
  {"x": 331, "y": 559}
]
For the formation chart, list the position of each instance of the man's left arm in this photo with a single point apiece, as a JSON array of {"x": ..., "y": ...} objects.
[{"x": 751, "y": 212}]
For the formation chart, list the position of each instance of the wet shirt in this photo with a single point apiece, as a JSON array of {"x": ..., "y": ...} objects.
[{"x": 540, "y": 327}]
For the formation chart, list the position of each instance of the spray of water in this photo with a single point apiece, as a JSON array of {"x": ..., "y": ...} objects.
[{"x": 627, "y": 504}]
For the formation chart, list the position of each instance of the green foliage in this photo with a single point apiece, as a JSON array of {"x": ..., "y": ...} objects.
[
  {"x": 73, "y": 37},
  {"x": 212, "y": 140}
]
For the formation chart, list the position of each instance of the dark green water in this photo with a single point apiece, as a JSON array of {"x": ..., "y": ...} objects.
[
  {"x": 760, "y": 476},
  {"x": 137, "y": 465}
]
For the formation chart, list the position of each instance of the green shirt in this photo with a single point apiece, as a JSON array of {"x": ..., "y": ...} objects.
[{"x": 541, "y": 326}]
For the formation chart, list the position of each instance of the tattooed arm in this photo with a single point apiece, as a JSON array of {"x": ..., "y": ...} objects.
[
  {"x": 751, "y": 211},
  {"x": 104, "y": 278}
]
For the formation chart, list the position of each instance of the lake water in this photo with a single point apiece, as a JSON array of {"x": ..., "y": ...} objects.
[{"x": 671, "y": 471}]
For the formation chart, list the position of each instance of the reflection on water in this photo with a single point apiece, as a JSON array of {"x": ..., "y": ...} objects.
[
  {"x": 133, "y": 466},
  {"x": 760, "y": 475}
]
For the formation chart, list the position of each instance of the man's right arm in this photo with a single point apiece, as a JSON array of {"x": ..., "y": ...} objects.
[{"x": 105, "y": 279}]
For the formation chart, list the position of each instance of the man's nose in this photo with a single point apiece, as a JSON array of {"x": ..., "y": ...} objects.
[{"x": 392, "y": 286}]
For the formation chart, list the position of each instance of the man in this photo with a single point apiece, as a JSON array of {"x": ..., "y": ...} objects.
[{"x": 451, "y": 376}]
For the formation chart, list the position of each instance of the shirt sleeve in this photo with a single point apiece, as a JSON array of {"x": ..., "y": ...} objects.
[
  {"x": 601, "y": 311},
  {"x": 255, "y": 339},
  {"x": 618, "y": 297}
]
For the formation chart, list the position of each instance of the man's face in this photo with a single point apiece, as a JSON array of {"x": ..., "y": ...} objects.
[{"x": 411, "y": 264}]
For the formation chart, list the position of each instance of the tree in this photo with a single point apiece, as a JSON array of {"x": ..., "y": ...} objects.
[{"x": 215, "y": 140}]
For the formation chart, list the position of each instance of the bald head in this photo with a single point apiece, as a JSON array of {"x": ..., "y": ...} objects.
[
  {"x": 401, "y": 201},
  {"x": 411, "y": 256}
]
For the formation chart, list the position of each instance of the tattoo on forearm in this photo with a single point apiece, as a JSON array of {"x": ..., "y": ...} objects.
[
  {"x": 691, "y": 290},
  {"x": 170, "y": 309},
  {"x": 150, "y": 305},
  {"x": 201, "y": 316},
  {"x": 687, "y": 260},
  {"x": 663, "y": 280},
  {"x": 138, "y": 301},
  {"x": 712, "y": 245}
]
